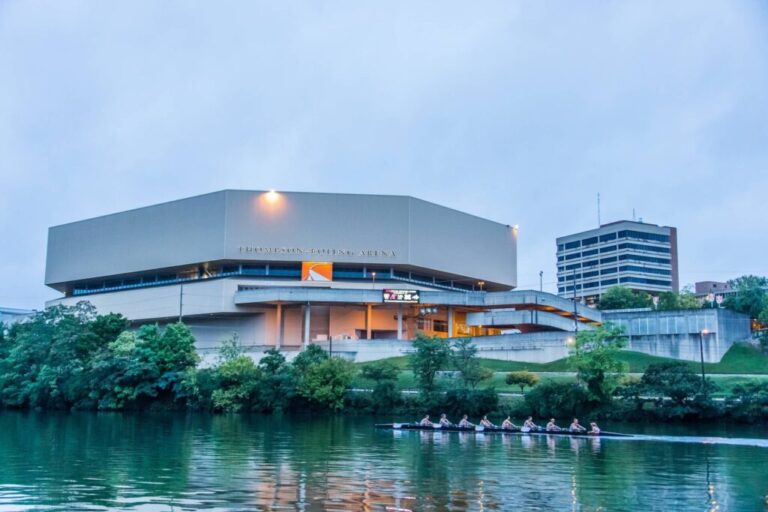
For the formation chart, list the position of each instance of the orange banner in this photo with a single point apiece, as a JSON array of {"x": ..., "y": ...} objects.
[{"x": 316, "y": 271}]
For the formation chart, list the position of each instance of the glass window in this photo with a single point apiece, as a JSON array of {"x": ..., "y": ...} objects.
[
  {"x": 573, "y": 245},
  {"x": 608, "y": 237},
  {"x": 591, "y": 252},
  {"x": 589, "y": 241}
]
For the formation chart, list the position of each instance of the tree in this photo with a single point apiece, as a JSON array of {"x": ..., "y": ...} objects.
[
  {"x": 595, "y": 358},
  {"x": 384, "y": 374},
  {"x": 675, "y": 380},
  {"x": 522, "y": 379},
  {"x": 276, "y": 387},
  {"x": 325, "y": 383},
  {"x": 621, "y": 297},
  {"x": 750, "y": 297},
  {"x": 552, "y": 398},
  {"x": 464, "y": 357},
  {"x": 431, "y": 355},
  {"x": 671, "y": 301},
  {"x": 238, "y": 380}
]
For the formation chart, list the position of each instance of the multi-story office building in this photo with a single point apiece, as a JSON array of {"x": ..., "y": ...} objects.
[
  {"x": 633, "y": 254},
  {"x": 10, "y": 316}
]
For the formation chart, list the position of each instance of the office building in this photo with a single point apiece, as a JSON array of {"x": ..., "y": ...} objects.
[{"x": 637, "y": 255}]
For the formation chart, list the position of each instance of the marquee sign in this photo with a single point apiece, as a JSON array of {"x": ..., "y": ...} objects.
[{"x": 401, "y": 296}]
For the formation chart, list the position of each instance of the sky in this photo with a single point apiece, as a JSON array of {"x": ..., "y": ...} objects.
[{"x": 518, "y": 111}]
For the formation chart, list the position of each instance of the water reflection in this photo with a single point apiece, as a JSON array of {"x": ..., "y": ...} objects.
[{"x": 144, "y": 462}]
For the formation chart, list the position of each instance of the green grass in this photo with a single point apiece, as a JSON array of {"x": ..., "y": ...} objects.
[{"x": 741, "y": 358}]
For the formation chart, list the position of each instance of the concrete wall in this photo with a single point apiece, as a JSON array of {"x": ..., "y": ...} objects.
[
  {"x": 343, "y": 228},
  {"x": 677, "y": 334}
]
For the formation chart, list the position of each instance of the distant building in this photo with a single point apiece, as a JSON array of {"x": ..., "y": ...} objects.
[
  {"x": 11, "y": 315},
  {"x": 637, "y": 255},
  {"x": 704, "y": 288}
]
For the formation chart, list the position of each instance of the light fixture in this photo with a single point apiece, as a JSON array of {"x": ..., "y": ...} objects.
[{"x": 272, "y": 196}]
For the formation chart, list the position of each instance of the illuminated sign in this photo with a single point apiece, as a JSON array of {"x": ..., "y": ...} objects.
[
  {"x": 316, "y": 271},
  {"x": 402, "y": 296}
]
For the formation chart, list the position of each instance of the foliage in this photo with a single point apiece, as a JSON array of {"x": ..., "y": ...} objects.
[
  {"x": 674, "y": 380},
  {"x": 750, "y": 402},
  {"x": 238, "y": 380},
  {"x": 621, "y": 297},
  {"x": 230, "y": 349},
  {"x": 385, "y": 395},
  {"x": 670, "y": 301},
  {"x": 594, "y": 357},
  {"x": 464, "y": 357},
  {"x": 522, "y": 379},
  {"x": 325, "y": 383},
  {"x": 276, "y": 388},
  {"x": 470, "y": 401},
  {"x": 431, "y": 355},
  {"x": 562, "y": 399},
  {"x": 750, "y": 296}
]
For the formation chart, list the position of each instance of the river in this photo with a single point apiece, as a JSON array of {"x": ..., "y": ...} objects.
[{"x": 169, "y": 462}]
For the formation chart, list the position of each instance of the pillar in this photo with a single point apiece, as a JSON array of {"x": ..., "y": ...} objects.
[
  {"x": 307, "y": 311},
  {"x": 399, "y": 321},
  {"x": 450, "y": 321},
  {"x": 279, "y": 326},
  {"x": 368, "y": 321}
]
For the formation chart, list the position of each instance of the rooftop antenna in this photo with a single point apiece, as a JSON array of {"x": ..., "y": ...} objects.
[
  {"x": 599, "y": 223},
  {"x": 633, "y": 215}
]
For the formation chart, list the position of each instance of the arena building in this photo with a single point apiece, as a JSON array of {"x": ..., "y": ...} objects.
[{"x": 365, "y": 273}]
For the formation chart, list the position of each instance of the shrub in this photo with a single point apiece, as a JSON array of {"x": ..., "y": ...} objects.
[
  {"x": 522, "y": 379},
  {"x": 557, "y": 399},
  {"x": 471, "y": 402}
]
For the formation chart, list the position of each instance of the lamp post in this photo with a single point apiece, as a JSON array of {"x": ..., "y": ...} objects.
[
  {"x": 481, "y": 284},
  {"x": 703, "y": 333},
  {"x": 541, "y": 280},
  {"x": 373, "y": 276}
]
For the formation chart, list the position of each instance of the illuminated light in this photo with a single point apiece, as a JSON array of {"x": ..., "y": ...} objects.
[
  {"x": 272, "y": 196},
  {"x": 704, "y": 332},
  {"x": 569, "y": 340}
]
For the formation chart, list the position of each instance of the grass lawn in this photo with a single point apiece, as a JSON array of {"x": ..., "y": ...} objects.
[{"x": 741, "y": 358}]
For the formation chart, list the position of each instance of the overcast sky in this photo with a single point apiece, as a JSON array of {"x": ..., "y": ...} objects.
[{"x": 516, "y": 111}]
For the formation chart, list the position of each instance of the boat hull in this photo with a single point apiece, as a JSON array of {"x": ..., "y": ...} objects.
[{"x": 493, "y": 430}]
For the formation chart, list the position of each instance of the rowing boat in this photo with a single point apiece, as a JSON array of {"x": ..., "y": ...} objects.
[{"x": 494, "y": 430}]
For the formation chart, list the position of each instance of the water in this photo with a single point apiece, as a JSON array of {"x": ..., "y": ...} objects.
[{"x": 85, "y": 461}]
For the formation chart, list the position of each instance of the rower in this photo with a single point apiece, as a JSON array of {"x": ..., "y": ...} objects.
[
  {"x": 486, "y": 423},
  {"x": 575, "y": 427},
  {"x": 552, "y": 427},
  {"x": 529, "y": 425},
  {"x": 425, "y": 422},
  {"x": 464, "y": 423},
  {"x": 508, "y": 425},
  {"x": 595, "y": 429},
  {"x": 444, "y": 421}
]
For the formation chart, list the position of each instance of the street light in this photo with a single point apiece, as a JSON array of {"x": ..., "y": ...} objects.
[
  {"x": 703, "y": 333},
  {"x": 481, "y": 284},
  {"x": 373, "y": 276}
]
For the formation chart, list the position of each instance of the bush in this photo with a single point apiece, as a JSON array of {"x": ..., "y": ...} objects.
[
  {"x": 385, "y": 394},
  {"x": 474, "y": 403},
  {"x": 557, "y": 399},
  {"x": 324, "y": 384}
]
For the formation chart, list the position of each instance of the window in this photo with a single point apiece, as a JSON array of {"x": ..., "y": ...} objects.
[
  {"x": 560, "y": 247},
  {"x": 648, "y": 259},
  {"x": 611, "y": 259},
  {"x": 639, "y": 235},
  {"x": 573, "y": 266},
  {"x": 645, "y": 270},
  {"x": 561, "y": 258},
  {"x": 608, "y": 282},
  {"x": 592, "y": 285},
  {"x": 593, "y": 273},
  {"x": 611, "y": 270},
  {"x": 609, "y": 248},
  {"x": 589, "y": 241},
  {"x": 608, "y": 237},
  {"x": 589, "y": 253},
  {"x": 650, "y": 248},
  {"x": 573, "y": 245},
  {"x": 644, "y": 280},
  {"x": 590, "y": 263},
  {"x": 573, "y": 256}
]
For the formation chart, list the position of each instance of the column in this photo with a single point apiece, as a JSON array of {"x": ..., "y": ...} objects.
[
  {"x": 368, "y": 321},
  {"x": 279, "y": 326},
  {"x": 399, "y": 321},
  {"x": 450, "y": 321},
  {"x": 307, "y": 311}
]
